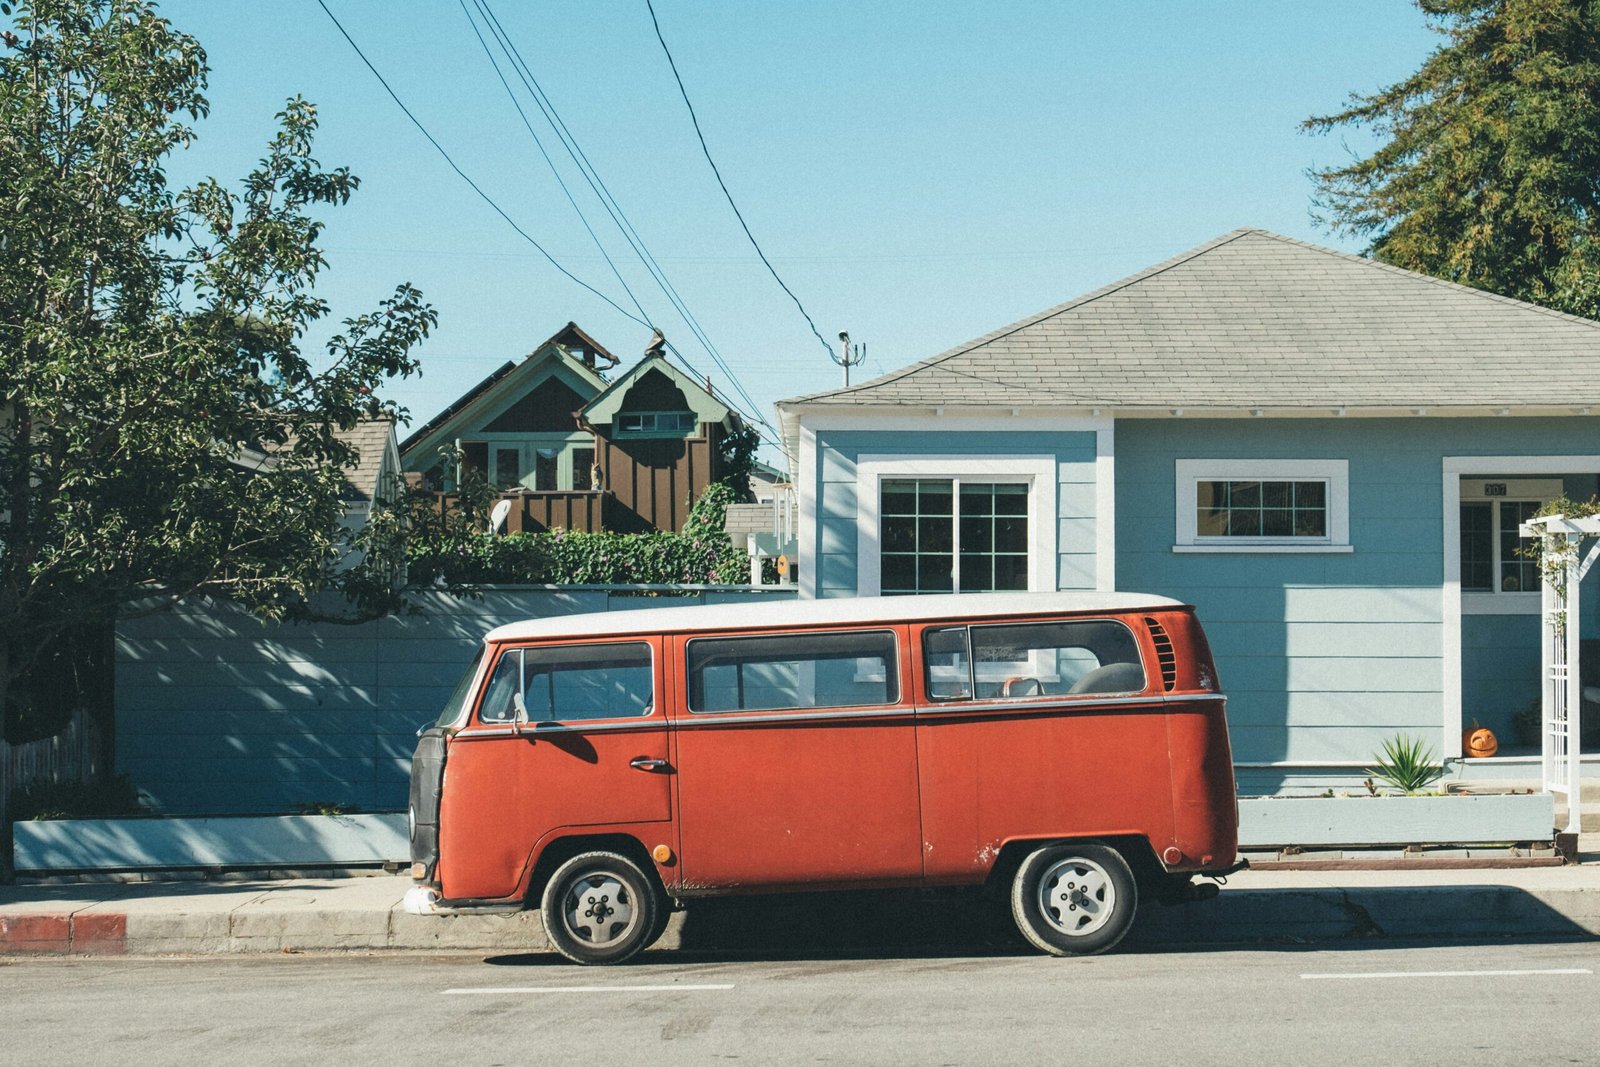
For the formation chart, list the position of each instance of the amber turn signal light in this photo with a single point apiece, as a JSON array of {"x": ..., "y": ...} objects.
[{"x": 662, "y": 854}]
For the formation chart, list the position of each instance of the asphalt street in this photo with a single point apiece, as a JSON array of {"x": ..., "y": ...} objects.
[{"x": 1357, "y": 1002}]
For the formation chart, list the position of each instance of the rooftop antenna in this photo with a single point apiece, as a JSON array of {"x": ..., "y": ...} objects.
[{"x": 848, "y": 358}]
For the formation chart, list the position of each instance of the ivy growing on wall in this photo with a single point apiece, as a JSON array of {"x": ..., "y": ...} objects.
[{"x": 455, "y": 550}]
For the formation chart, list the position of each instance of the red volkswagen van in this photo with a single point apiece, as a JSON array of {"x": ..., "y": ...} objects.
[{"x": 606, "y": 768}]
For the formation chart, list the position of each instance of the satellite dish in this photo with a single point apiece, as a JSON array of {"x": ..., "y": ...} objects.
[{"x": 497, "y": 517}]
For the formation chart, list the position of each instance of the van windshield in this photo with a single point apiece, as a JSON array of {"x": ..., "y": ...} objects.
[{"x": 462, "y": 693}]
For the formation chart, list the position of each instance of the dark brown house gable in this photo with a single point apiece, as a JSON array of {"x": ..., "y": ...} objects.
[
  {"x": 657, "y": 468},
  {"x": 576, "y": 452},
  {"x": 552, "y": 405}
]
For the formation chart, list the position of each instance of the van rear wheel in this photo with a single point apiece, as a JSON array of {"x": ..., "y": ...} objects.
[
  {"x": 1074, "y": 899},
  {"x": 601, "y": 907}
]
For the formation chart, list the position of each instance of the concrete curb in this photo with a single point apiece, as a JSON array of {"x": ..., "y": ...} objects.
[{"x": 364, "y": 915}]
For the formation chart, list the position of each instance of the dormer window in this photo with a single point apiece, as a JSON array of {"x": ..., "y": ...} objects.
[{"x": 657, "y": 423}]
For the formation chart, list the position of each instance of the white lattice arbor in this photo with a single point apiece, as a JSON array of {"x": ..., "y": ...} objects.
[{"x": 1562, "y": 567}]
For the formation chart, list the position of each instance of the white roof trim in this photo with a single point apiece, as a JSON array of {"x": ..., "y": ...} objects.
[{"x": 603, "y": 409}]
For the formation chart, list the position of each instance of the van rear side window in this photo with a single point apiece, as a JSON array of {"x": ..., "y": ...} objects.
[
  {"x": 563, "y": 683},
  {"x": 794, "y": 671},
  {"x": 1031, "y": 660}
]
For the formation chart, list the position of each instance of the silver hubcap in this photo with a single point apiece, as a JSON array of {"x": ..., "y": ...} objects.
[
  {"x": 1076, "y": 896},
  {"x": 599, "y": 909}
]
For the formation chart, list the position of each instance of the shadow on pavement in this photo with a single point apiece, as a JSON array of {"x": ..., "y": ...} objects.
[{"x": 961, "y": 924}]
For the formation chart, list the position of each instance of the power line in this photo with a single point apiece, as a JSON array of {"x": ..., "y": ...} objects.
[
  {"x": 551, "y": 163},
  {"x": 463, "y": 175},
  {"x": 619, "y": 217},
  {"x": 642, "y": 318},
  {"x": 724, "y": 185}
]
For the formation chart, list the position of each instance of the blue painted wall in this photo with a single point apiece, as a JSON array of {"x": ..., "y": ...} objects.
[
  {"x": 834, "y": 552},
  {"x": 1323, "y": 655},
  {"x": 221, "y": 713}
]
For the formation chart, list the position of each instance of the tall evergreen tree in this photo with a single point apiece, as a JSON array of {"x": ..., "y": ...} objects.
[{"x": 1488, "y": 171}]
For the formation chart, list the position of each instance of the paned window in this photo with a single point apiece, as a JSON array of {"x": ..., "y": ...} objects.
[
  {"x": 1013, "y": 662},
  {"x": 507, "y": 468},
  {"x": 793, "y": 671},
  {"x": 945, "y": 534},
  {"x": 546, "y": 469},
  {"x": 583, "y": 468},
  {"x": 1273, "y": 505},
  {"x": 665, "y": 423},
  {"x": 568, "y": 683},
  {"x": 1492, "y": 552},
  {"x": 1258, "y": 508},
  {"x": 546, "y": 464}
]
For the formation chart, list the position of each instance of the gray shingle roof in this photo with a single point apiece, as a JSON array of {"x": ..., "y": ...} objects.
[
  {"x": 1254, "y": 319},
  {"x": 369, "y": 438}
]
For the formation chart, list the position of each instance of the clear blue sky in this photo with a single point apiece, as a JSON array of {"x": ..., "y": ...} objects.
[{"x": 919, "y": 172}]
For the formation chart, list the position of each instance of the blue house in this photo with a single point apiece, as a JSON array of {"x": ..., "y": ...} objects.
[{"x": 1328, "y": 456}]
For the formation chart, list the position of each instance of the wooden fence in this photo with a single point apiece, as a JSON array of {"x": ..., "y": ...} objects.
[
  {"x": 578, "y": 510},
  {"x": 78, "y": 753}
]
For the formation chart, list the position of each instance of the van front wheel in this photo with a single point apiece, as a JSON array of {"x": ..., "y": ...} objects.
[
  {"x": 600, "y": 907},
  {"x": 1074, "y": 899}
]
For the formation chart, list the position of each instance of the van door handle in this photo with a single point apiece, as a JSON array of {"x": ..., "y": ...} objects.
[{"x": 645, "y": 763}]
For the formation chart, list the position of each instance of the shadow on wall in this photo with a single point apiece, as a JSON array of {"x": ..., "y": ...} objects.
[{"x": 219, "y": 712}]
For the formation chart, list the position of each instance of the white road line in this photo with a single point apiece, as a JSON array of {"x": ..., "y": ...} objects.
[
  {"x": 679, "y": 987},
  {"x": 1448, "y": 974}
]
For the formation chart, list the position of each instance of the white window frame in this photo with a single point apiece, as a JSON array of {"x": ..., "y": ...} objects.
[
  {"x": 1037, "y": 472},
  {"x": 1335, "y": 473},
  {"x": 1496, "y": 601}
]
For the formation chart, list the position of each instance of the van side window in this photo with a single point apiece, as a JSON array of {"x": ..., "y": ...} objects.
[
  {"x": 1011, "y": 662},
  {"x": 793, "y": 671},
  {"x": 566, "y": 683}
]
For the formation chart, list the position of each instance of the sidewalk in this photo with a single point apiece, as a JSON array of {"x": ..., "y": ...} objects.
[{"x": 365, "y": 915}]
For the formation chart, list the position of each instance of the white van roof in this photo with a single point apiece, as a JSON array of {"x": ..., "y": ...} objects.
[{"x": 759, "y": 611}]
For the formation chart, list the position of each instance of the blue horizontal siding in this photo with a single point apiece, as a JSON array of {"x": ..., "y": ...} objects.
[{"x": 1325, "y": 655}]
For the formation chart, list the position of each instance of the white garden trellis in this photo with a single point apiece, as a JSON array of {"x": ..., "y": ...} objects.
[{"x": 1561, "y": 572}]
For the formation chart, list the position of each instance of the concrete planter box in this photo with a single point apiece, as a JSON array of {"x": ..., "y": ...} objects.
[
  {"x": 227, "y": 841},
  {"x": 1458, "y": 819}
]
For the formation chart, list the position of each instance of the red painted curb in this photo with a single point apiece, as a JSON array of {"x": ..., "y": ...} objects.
[
  {"x": 27, "y": 935},
  {"x": 64, "y": 934},
  {"x": 100, "y": 933}
]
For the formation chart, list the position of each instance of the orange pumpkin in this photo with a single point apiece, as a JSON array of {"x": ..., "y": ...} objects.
[{"x": 1479, "y": 741}]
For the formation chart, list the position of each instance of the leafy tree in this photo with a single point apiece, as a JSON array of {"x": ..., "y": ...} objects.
[
  {"x": 1489, "y": 169},
  {"x": 162, "y": 433},
  {"x": 737, "y": 453}
]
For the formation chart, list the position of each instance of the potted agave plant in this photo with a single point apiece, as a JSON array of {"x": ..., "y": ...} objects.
[
  {"x": 1401, "y": 806},
  {"x": 1407, "y": 764}
]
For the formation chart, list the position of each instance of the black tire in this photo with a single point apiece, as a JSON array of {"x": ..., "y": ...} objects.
[
  {"x": 1074, "y": 899},
  {"x": 663, "y": 916},
  {"x": 601, "y": 907}
]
